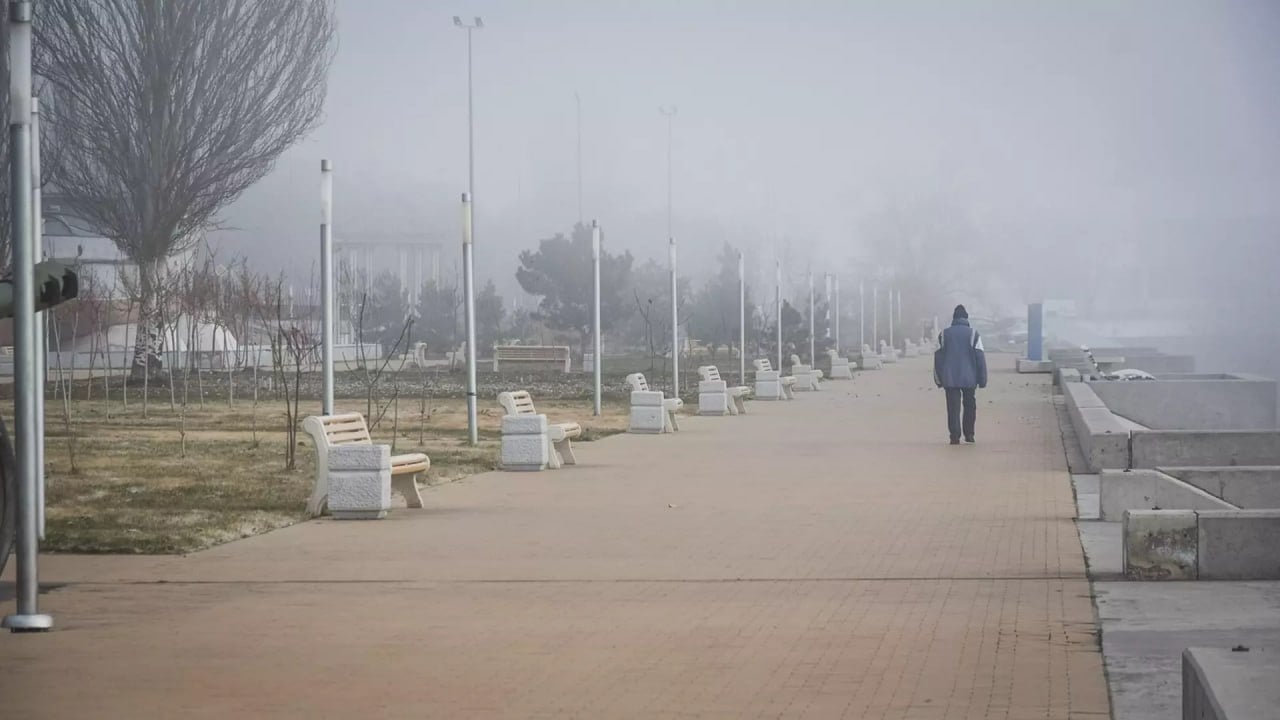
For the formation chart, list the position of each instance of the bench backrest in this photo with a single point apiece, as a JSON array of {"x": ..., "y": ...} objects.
[
  {"x": 709, "y": 372},
  {"x": 340, "y": 429},
  {"x": 637, "y": 383},
  {"x": 544, "y": 353},
  {"x": 763, "y": 365},
  {"x": 517, "y": 403}
]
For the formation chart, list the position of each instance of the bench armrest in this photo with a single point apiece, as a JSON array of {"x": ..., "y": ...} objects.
[{"x": 646, "y": 398}]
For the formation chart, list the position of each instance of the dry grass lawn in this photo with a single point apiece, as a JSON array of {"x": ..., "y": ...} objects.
[{"x": 136, "y": 486}]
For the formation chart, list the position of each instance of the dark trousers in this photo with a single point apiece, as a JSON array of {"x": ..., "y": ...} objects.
[{"x": 956, "y": 399}]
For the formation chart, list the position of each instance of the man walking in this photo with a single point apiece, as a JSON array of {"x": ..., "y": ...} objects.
[{"x": 960, "y": 367}]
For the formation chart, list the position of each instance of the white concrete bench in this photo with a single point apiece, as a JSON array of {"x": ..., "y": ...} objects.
[
  {"x": 888, "y": 354},
  {"x": 807, "y": 376},
  {"x": 651, "y": 411},
  {"x": 868, "y": 359},
  {"x": 839, "y": 366},
  {"x": 772, "y": 384},
  {"x": 329, "y": 431},
  {"x": 519, "y": 405},
  {"x": 531, "y": 356},
  {"x": 735, "y": 396}
]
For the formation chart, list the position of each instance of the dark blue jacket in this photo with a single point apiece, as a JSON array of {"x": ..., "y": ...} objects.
[{"x": 960, "y": 361}]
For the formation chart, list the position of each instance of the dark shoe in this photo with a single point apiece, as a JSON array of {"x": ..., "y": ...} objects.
[
  {"x": 955, "y": 441},
  {"x": 970, "y": 440}
]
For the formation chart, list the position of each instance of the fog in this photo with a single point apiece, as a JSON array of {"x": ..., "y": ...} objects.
[{"x": 1121, "y": 154}]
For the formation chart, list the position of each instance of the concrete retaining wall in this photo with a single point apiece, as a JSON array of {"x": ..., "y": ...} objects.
[
  {"x": 1122, "y": 490},
  {"x": 1223, "y": 684},
  {"x": 1158, "y": 363},
  {"x": 1104, "y": 440},
  {"x": 1203, "y": 448},
  {"x": 1201, "y": 544},
  {"x": 1193, "y": 402},
  {"x": 1248, "y": 488}
]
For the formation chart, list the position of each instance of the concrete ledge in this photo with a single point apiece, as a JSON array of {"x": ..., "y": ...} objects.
[
  {"x": 1201, "y": 544},
  {"x": 1103, "y": 438},
  {"x": 1246, "y": 487},
  {"x": 1239, "y": 545},
  {"x": 1122, "y": 490},
  {"x": 1190, "y": 448},
  {"x": 1222, "y": 684},
  {"x": 1193, "y": 402},
  {"x": 1034, "y": 366},
  {"x": 1160, "y": 545}
]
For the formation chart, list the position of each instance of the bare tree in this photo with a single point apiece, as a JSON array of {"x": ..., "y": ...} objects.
[
  {"x": 172, "y": 110},
  {"x": 291, "y": 346}
]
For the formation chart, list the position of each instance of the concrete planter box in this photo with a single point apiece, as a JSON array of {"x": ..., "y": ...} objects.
[{"x": 1201, "y": 544}]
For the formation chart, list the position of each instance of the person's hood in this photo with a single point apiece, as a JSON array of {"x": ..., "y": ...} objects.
[{"x": 960, "y": 321}]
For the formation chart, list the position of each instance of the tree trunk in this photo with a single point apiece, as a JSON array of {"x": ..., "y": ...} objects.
[{"x": 146, "y": 343}]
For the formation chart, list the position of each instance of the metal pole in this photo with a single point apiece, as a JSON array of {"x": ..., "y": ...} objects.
[
  {"x": 777, "y": 291},
  {"x": 835, "y": 281},
  {"x": 813, "y": 362},
  {"x": 742, "y": 320},
  {"x": 675, "y": 323},
  {"x": 27, "y": 618},
  {"x": 875, "y": 317},
  {"x": 468, "y": 290},
  {"x": 42, "y": 319},
  {"x": 862, "y": 314},
  {"x": 326, "y": 281},
  {"x": 901, "y": 327},
  {"x": 578, "y": 101},
  {"x": 595, "y": 311},
  {"x": 891, "y": 345},
  {"x": 471, "y": 128}
]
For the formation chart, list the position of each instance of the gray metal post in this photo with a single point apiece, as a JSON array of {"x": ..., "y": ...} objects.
[
  {"x": 675, "y": 323},
  {"x": 862, "y": 314},
  {"x": 326, "y": 281},
  {"x": 27, "y": 618},
  {"x": 813, "y": 361},
  {"x": 468, "y": 290},
  {"x": 835, "y": 281},
  {"x": 595, "y": 311},
  {"x": 42, "y": 319},
  {"x": 742, "y": 320},
  {"x": 891, "y": 345},
  {"x": 468, "y": 228},
  {"x": 777, "y": 292},
  {"x": 875, "y": 317}
]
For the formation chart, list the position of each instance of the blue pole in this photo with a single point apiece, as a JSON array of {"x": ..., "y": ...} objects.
[{"x": 1035, "y": 332}]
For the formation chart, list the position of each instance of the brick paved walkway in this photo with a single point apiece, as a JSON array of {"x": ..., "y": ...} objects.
[{"x": 830, "y": 557}]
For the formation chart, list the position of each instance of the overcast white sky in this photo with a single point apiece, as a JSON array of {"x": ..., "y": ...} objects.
[{"x": 1144, "y": 122}]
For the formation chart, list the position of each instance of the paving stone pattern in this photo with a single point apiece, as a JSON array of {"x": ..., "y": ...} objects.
[{"x": 823, "y": 558}]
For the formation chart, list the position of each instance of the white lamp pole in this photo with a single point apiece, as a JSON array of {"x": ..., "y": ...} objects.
[
  {"x": 862, "y": 314},
  {"x": 813, "y": 362},
  {"x": 835, "y": 281},
  {"x": 742, "y": 320},
  {"x": 891, "y": 345},
  {"x": 595, "y": 313},
  {"x": 42, "y": 319},
  {"x": 27, "y": 617},
  {"x": 326, "y": 281},
  {"x": 468, "y": 290},
  {"x": 777, "y": 291},
  {"x": 875, "y": 316},
  {"x": 675, "y": 323}
]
